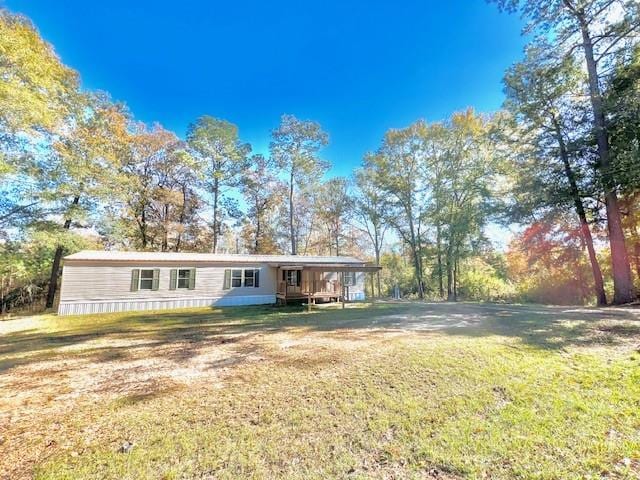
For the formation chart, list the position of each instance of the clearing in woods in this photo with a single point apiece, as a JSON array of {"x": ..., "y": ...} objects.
[{"x": 389, "y": 390}]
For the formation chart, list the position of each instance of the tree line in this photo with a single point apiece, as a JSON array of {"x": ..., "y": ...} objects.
[{"x": 560, "y": 160}]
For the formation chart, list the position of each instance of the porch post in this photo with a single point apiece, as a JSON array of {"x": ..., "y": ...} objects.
[
  {"x": 308, "y": 301},
  {"x": 373, "y": 289},
  {"x": 342, "y": 287},
  {"x": 286, "y": 290}
]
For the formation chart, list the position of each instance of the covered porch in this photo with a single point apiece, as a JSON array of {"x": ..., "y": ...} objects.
[{"x": 325, "y": 283}]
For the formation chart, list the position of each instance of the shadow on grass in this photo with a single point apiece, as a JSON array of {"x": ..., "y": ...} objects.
[
  {"x": 550, "y": 327},
  {"x": 119, "y": 336}
]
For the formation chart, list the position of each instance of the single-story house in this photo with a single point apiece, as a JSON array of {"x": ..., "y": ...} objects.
[{"x": 100, "y": 282}]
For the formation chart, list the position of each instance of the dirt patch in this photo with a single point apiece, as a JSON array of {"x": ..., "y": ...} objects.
[
  {"x": 39, "y": 391},
  {"x": 132, "y": 370}
]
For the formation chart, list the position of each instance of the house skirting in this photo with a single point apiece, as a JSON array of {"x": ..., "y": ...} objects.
[{"x": 109, "y": 306}]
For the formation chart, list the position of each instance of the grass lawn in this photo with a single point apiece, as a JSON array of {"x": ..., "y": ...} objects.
[{"x": 402, "y": 390}]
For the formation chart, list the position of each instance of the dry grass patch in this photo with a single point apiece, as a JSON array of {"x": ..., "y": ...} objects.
[{"x": 361, "y": 393}]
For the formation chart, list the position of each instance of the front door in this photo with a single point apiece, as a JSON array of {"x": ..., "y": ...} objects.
[{"x": 292, "y": 280}]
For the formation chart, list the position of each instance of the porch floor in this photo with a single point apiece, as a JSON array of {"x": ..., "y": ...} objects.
[{"x": 304, "y": 296}]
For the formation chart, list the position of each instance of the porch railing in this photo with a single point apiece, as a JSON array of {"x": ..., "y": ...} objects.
[{"x": 311, "y": 286}]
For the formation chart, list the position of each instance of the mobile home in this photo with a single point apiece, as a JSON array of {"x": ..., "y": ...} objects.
[{"x": 99, "y": 281}]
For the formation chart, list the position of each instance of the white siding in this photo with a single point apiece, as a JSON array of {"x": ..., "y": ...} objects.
[
  {"x": 96, "y": 287},
  {"x": 101, "y": 306},
  {"x": 356, "y": 292}
]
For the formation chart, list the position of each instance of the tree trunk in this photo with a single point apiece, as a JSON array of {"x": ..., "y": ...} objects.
[
  {"x": 141, "y": 221},
  {"x": 378, "y": 272},
  {"x": 216, "y": 227},
  {"x": 450, "y": 267},
  {"x": 456, "y": 269},
  {"x": 291, "y": 227},
  {"x": 53, "y": 277},
  {"x": 165, "y": 229},
  {"x": 622, "y": 282},
  {"x": 55, "y": 267},
  {"x": 256, "y": 243},
  {"x": 439, "y": 255},
  {"x": 182, "y": 218},
  {"x": 417, "y": 264},
  {"x": 449, "y": 280},
  {"x": 418, "y": 267},
  {"x": 143, "y": 228},
  {"x": 601, "y": 296}
]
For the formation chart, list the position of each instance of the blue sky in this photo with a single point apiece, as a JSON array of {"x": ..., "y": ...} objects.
[{"x": 358, "y": 67}]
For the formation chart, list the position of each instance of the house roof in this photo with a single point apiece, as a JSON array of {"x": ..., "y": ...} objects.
[{"x": 276, "y": 260}]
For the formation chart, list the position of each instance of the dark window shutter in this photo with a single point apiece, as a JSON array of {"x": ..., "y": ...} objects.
[
  {"x": 192, "y": 279},
  {"x": 173, "y": 279},
  {"x": 299, "y": 276},
  {"x": 135, "y": 279},
  {"x": 156, "y": 279},
  {"x": 284, "y": 275},
  {"x": 256, "y": 278},
  {"x": 227, "y": 279}
]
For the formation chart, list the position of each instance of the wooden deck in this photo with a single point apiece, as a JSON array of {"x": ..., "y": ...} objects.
[
  {"x": 316, "y": 282},
  {"x": 310, "y": 290},
  {"x": 302, "y": 295}
]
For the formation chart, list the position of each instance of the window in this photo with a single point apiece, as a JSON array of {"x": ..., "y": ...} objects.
[
  {"x": 249, "y": 277},
  {"x": 146, "y": 280},
  {"x": 184, "y": 276},
  {"x": 236, "y": 278},
  {"x": 252, "y": 277},
  {"x": 292, "y": 278},
  {"x": 349, "y": 279}
]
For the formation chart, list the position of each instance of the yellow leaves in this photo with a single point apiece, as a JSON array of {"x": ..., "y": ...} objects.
[
  {"x": 5, "y": 167},
  {"x": 147, "y": 142},
  {"x": 100, "y": 130},
  {"x": 168, "y": 197},
  {"x": 35, "y": 85}
]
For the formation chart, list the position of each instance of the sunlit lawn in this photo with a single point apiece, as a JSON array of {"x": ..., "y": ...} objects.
[{"x": 382, "y": 391}]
